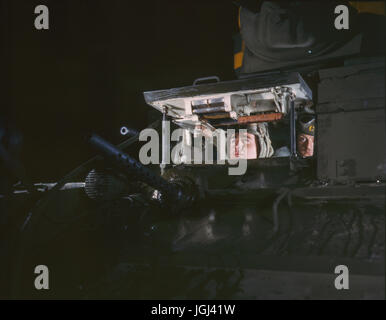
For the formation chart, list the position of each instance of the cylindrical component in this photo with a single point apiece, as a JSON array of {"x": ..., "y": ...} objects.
[
  {"x": 265, "y": 117},
  {"x": 216, "y": 115},
  {"x": 165, "y": 141},
  {"x": 132, "y": 167},
  {"x": 128, "y": 131},
  {"x": 103, "y": 184},
  {"x": 292, "y": 128},
  {"x": 208, "y": 109}
]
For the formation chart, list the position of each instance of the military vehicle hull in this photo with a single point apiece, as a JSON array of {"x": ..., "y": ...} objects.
[{"x": 277, "y": 232}]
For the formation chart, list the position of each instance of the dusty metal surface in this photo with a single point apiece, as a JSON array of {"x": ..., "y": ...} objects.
[
  {"x": 232, "y": 251},
  {"x": 277, "y": 231},
  {"x": 218, "y": 249}
]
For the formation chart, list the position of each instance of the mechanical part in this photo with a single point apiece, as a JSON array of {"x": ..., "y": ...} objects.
[
  {"x": 209, "y": 106},
  {"x": 293, "y": 128},
  {"x": 209, "y": 109},
  {"x": 265, "y": 117},
  {"x": 219, "y": 115},
  {"x": 105, "y": 185},
  {"x": 172, "y": 192},
  {"x": 235, "y": 99},
  {"x": 128, "y": 131},
  {"x": 186, "y": 198},
  {"x": 198, "y": 80},
  {"x": 165, "y": 142}
]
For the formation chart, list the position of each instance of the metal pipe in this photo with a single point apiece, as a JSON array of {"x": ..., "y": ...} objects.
[
  {"x": 132, "y": 167},
  {"x": 165, "y": 141},
  {"x": 128, "y": 131},
  {"x": 208, "y": 110},
  {"x": 292, "y": 128}
]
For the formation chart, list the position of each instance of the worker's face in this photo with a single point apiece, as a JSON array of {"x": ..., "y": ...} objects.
[
  {"x": 305, "y": 145},
  {"x": 244, "y": 146}
]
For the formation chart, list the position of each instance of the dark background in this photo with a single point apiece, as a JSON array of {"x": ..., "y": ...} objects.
[{"x": 88, "y": 71}]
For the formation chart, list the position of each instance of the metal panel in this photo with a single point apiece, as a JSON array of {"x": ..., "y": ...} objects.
[
  {"x": 351, "y": 145},
  {"x": 352, "y": 87},
  {"x": 228, "y": 86}
]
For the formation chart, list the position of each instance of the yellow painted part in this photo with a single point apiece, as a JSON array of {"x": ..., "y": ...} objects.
[
  {"x": 376, "y": 7},
  {"x": 238, "y": 58}
]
